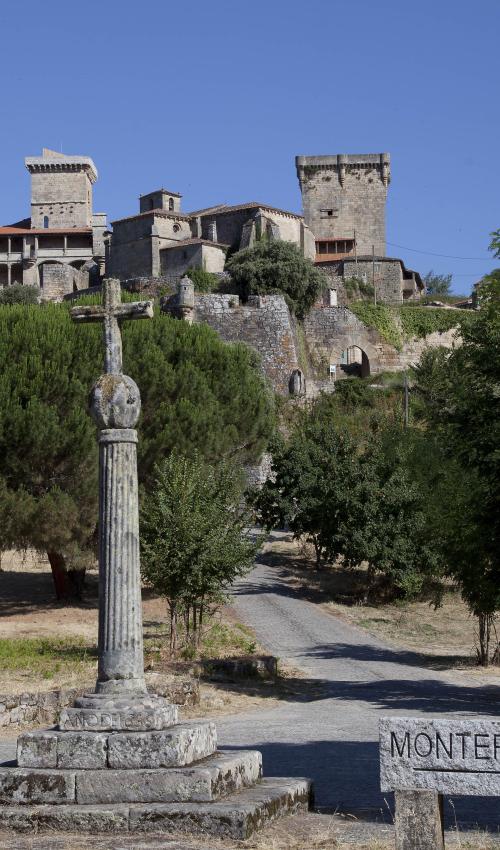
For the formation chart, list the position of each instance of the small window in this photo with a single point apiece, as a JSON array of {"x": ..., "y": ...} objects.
[
  {"x": 45, "y": 221},
  {"x": 176, "y": 228},
  {"x": 170, "y": 203}
]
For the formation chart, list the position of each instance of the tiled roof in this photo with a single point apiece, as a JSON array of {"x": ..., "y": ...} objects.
[
  {"x": 195, "y": 241},
  {"x": 38, "y": 231},
  {"x": 159, "y": 211},
  {"x": 155, "y": 192},
  {"x": 251, "y": 205}
]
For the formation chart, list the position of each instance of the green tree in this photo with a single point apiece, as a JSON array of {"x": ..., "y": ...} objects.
[
  {"x": 198, "y": 393},
  {"x": 495, "y": 243},
  {"x": 460, "y": 402},
  {"x": 195, "y": 539},
  {"x": 352, "y": 497},
  {"x": 311, "y": 486},
  {"x": 277, "y": 267},
  {"x": 437, "y": 284}
]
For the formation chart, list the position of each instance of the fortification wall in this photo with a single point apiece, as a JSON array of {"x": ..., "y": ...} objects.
[
  {"x": 283, "y": 345},
  {"x": 264, "y": 323}
]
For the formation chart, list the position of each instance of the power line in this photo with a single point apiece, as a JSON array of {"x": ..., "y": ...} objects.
[
  {"x": 428, "y": 253},
  {"x": 433, "y": 254}
]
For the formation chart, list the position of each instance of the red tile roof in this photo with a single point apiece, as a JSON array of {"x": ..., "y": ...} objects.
[{"x": 26, "y": 231}]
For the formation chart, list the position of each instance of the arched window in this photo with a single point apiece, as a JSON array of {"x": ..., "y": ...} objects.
[
  {"x": 170, "y": 204},
  {"x": 45, "y": 221}
]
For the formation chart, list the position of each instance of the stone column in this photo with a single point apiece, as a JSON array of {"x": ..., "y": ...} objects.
[
  {"x": 121, "y": 662},
  {"x": 419, "y": 820}
]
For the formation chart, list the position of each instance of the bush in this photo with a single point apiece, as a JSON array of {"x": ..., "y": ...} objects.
[
  {"x": 277, "y": 267},
  {"x": 203, "y": 281},
  {"x": 356, "y": 287},
  {"x": 19, "y": 294}
]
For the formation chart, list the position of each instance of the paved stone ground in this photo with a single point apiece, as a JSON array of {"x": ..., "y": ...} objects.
[{"x": 334, "y": 738}]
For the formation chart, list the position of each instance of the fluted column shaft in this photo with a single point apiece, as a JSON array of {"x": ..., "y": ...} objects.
[{"x": 121, "y": 656}]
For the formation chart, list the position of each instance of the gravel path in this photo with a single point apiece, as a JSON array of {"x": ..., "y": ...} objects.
[{"x": 357, "y": 678}]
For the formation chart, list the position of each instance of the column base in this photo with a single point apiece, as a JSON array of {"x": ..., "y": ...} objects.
[{"x": 135, "y": 712}]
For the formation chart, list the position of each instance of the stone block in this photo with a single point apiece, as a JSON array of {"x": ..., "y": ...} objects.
[
  {"x": 19, "y": 786},
  {"x": 236, "y": 817},
  {"x": 213, "y": 778},
  {"x": 451, "y": 756},
  {"x": 180, "y": 745},
  {"x": 37, "y": 749},
  {"x": 65, "y": 750},
  {"x": 419, "y": 820},
  {"x": 82, "y": 750}
]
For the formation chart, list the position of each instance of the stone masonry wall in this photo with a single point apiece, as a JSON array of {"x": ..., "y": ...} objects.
[
  {"x": 264, "y": 323},
  {"x": 60, "y": 279},
  {"x": 388, "y": 277}
]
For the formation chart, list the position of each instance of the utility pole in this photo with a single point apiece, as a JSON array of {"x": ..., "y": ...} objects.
[
  {"x": 355, "y": 249},
  {"x": 373, "y": 276},
  {"x": 406, "y": 409}
]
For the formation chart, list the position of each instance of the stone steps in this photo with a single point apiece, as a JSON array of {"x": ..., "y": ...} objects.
[
  {"x": 236, "y": 816},
  {"x": 208, "y": 780}
]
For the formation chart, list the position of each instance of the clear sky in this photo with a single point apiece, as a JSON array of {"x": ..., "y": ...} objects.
[{"x": 214, "y": 98}]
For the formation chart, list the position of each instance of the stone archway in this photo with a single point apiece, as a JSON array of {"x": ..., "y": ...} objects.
[{"x": 354, "y": 356}]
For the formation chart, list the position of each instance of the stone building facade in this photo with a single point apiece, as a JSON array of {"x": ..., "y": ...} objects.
[
  {"x": 60, "y": 247},
  {"x": 162, "y": 240}
]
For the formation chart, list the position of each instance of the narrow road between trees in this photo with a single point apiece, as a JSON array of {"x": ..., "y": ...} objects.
[{"x": 331, "y": 735}]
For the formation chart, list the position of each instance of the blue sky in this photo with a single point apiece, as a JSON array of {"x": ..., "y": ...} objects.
[{"x": 214, "y": 100}]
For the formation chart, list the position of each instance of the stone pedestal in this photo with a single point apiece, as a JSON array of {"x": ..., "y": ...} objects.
[{"x": 419, "y": 820}]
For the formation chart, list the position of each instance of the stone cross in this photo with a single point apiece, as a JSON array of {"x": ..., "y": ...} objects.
[
  {"x": 111, "y": 313},
  {"x": 120, "y": 699}
]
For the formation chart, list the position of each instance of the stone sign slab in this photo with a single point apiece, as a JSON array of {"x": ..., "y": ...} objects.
[{"x": 447, "y": 756}]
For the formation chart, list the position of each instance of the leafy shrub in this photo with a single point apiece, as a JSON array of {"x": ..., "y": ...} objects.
[
  {"x": 277, "y": 267},
  {"x": 19, "y": 294},
  {"x": 203, "y": 281},
  {"x": 356, "y": 287}
]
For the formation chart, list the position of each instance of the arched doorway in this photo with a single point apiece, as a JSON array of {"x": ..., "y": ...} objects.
[{"x": 354, "y": 363}]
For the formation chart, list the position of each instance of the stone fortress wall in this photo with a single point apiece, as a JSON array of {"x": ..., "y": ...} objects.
[{"x": 287, "y": 347}]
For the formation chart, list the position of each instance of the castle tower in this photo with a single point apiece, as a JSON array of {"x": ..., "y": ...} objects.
[
  {"x": 345, "y": 194},
  {"x": 61, "y": 190}
]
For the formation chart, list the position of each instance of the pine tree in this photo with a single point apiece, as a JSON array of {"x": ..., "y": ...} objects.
[{"x": 198, "y": 394}]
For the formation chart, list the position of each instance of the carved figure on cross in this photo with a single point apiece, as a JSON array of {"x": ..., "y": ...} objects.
[{"x": 111, "y": 312}]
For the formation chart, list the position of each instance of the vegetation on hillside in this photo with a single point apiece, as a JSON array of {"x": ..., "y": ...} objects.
[
  {"x": 437, "y": 284},
  {"x": 420, "y": 505},
  {"x": 397, "y": 324}
]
